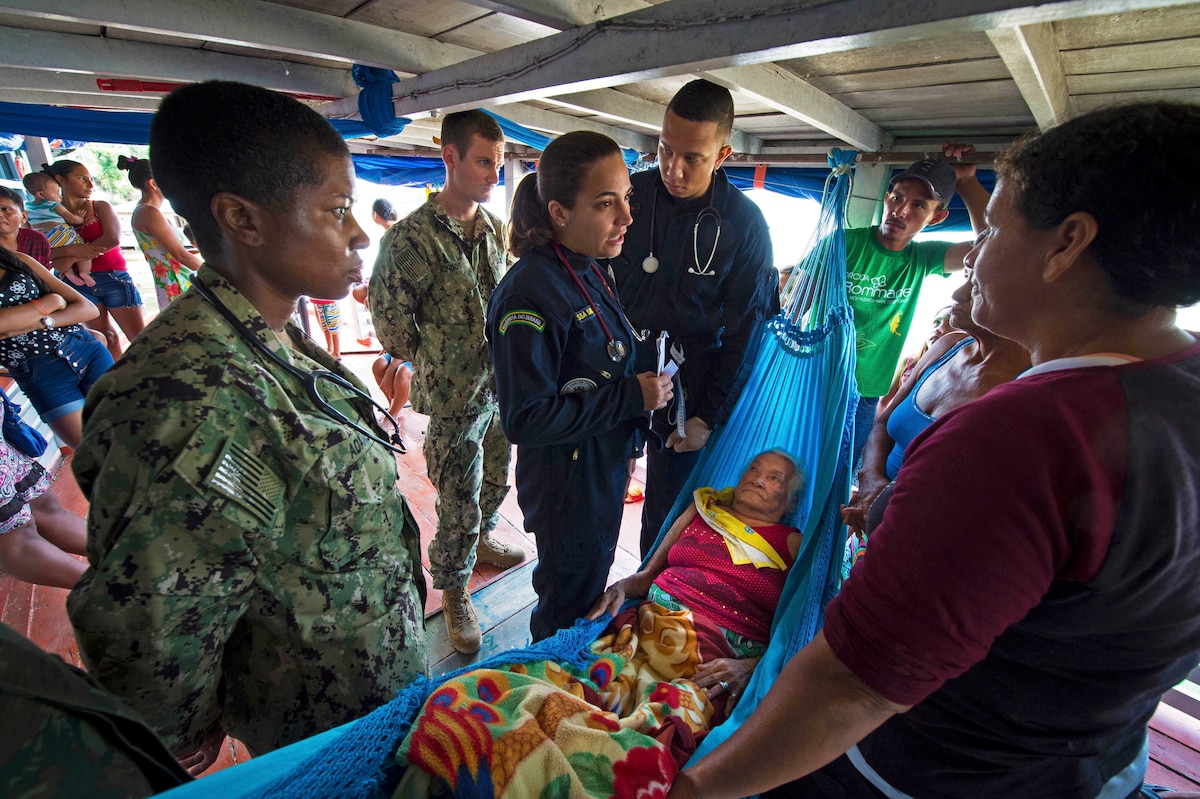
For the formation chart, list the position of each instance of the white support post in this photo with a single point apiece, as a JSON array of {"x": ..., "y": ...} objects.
[
  {"x": 38, "y": 150},
  {"x": 866, "y": 194},
  {"x": 514, "y": 171}
]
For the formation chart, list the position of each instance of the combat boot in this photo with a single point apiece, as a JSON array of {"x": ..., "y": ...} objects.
[
  {"x": 461, "y": 623},
  {"x": 496, "y": 553}
]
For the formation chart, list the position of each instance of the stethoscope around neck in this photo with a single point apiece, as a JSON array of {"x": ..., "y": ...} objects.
[
  {"x": 650, "y": 262},
  {"x": 615, "y": 347},
  {"x": 310, "y": 379}
]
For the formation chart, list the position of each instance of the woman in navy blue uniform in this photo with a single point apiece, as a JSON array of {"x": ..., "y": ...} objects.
[{"x": 569, "y": 396}]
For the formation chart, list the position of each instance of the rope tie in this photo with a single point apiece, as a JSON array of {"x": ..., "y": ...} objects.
[{"x": 375, "y": 100}]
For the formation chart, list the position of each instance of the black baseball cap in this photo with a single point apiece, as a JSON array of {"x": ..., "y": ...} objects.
[{"x": 935, "y": 173}]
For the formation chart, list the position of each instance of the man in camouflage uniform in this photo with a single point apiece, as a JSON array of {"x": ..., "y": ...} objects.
[
  {"x": 253, "y": 569},
  {"x": 67, "y": 736},
  {"x": 436, "y": 270}
]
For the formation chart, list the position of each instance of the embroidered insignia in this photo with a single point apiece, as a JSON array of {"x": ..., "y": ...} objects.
[
  {"x": 522, "y": 318},
  {"x": 584, "y": 313},
  {"x": 243, "y": 478},
  {"x": 410, "y": 265},
  {"x": 578, "y": 384}
]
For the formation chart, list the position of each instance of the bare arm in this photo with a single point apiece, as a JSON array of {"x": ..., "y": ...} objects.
[
  {"x": 68, "y": 215},
  {"x": 816, "y": 710},
  {"x": 74, "y": 252},
  {"x": 151, "y": 221},
  {"x": 872, "y": 477},
  {"x": 974, "y": 196},
  {"x": 638, "y": 584},
  {"x": 110, "y": 226},
  {"x": 60, "y": 301}
]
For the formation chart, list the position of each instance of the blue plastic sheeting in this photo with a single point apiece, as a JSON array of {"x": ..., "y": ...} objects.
[
  {"x": 133, "y": 127},
  {"x": 406, "y": 171},
  {"x": 112, "y": 127},
  {"x": 11, "y": 142},
  {"x": 805, "y": 182},
  {"x": 538, "y": 141}
]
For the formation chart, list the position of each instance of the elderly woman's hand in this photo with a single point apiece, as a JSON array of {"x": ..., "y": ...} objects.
[
  {"x": 610, "y": 601},
  {"x": 870, "y": 486},
  {"x": 635, "y": 586},
  {"x": 725, "y": 675}
]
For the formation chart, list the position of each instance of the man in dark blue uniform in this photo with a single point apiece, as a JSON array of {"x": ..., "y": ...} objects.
[{"x": 696, "y": 263}]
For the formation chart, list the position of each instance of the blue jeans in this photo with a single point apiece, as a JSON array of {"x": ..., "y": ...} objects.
[
  {"x": 112, "y": 290},
  {"x": 57, "y": 384}
]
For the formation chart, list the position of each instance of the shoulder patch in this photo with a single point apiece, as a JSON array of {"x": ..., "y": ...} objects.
[
  {"x": 576, "y": 385},
  {"x": 409, "y": 264},
  {"x": 522, "y": 317},
  {"x": 239, "y": 475}
]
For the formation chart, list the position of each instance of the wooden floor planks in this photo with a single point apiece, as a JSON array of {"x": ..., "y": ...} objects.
[{"x": 503, "y": 602}]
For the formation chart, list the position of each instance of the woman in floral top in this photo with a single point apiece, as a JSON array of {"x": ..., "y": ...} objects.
[{"x": 162, "y": 243}]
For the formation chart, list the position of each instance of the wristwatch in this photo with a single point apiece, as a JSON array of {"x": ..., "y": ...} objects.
[{"x": 48, "y": 322}]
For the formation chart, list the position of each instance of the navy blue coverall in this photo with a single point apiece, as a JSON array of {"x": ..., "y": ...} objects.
[
  {"x": 573, "y": 413},
  {"x": 708, "y": 305}
]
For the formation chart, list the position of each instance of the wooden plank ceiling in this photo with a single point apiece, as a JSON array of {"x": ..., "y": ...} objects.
[{"x": 891, "y": 81}]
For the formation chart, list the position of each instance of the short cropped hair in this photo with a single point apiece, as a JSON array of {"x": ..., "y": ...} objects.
[
  {"x": 36, "y": 181},
  {"x": 1133, "y": 168},
  {"x": 705, "y": 101},
  {"x": 15, "y": 196},
  {"x": 459, "y": 127},
  {"x": 221, "y": 136}
]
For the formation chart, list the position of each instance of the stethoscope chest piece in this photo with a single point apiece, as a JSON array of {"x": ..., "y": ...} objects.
[
  {"x": 650, "y": 264},
  {"x": 616, "y": 350}
]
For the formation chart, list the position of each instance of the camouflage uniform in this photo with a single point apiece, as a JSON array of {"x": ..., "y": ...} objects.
[
  {"x": 429, "y": 295},
  {"x": 67, "y": 736},
  {"x": 252, "y": 562}
]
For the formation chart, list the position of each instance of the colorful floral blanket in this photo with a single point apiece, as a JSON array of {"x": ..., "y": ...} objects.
[{"x": 622, "y": 727}]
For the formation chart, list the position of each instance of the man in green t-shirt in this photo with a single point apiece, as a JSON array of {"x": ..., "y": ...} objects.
[{"x": 885, "y": 268}]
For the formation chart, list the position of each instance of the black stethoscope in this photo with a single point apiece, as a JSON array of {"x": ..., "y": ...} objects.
[
  {"x": 650, "y": 262},
  {"x": 616, "y": 347},
  {"x": 310, "y": 379}
]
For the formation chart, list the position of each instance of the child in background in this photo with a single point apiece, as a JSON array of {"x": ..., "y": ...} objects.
[
  {"x": 50, "y": 217},
  {"x": 329, "y": 318}
]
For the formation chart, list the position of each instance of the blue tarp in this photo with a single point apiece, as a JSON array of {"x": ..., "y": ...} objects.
[
  {"x": 133, "y": 127},
  {"x": 407, "y": 171}
]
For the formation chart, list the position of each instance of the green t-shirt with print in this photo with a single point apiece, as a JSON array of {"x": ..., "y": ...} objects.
[{"x": 883, "y": 288}]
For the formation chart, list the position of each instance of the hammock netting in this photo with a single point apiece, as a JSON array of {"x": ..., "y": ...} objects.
[{"x": 798, "y": 395}]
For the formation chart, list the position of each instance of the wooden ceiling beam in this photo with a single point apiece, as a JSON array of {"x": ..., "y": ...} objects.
[
  {"x": 97, "y": 56},
  {"x": 785, "y": 92},
  {"x": 256, "y": 24},
  {"x": 717, "y": 34},
  {"x": 1031, "y": 56}
]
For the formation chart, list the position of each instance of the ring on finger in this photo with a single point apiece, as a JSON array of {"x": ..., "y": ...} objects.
[{"x": 724, "y": 686}]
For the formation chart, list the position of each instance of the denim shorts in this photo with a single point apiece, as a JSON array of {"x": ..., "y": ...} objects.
[
  {"x": 112, "y": 290},
  {"x": 57, "y": 384}
]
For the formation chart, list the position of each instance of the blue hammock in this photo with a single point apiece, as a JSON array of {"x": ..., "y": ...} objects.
[{"x": 799, "y": 396}]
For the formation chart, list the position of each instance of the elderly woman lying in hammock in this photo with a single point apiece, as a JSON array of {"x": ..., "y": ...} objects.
[{"x": 664, "y": 671}]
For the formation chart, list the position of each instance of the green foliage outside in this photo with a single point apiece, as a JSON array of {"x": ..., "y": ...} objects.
[{"x": 112, "y": 184}]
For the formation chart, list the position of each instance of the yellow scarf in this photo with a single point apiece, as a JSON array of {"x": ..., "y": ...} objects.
[{"x": 745, "y": 545}]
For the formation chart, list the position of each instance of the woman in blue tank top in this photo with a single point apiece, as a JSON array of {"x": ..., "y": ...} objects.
[{"x": 953, "y": 372}]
